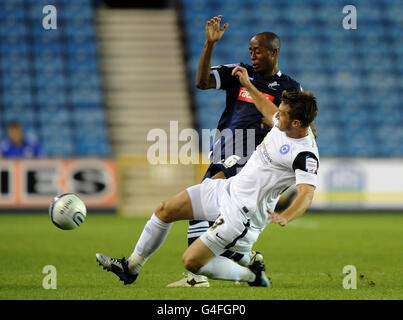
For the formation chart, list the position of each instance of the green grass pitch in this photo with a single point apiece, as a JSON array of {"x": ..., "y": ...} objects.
[{"x": 305, "y": 259}]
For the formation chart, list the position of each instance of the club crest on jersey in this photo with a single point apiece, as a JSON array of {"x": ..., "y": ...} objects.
[
  {"x": 272, "y": 85},
  {"x": 284, "y": 148},
  {"x": 311, "y": 165}
]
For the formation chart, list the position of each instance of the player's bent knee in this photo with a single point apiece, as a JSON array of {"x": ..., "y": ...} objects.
[
  {"x": 163, "y": 212},
  {"x": 190, "y": 263},
  {"x": 174, "y": 209}
]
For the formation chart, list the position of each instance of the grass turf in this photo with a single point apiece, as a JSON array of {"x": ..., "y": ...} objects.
[{"x": 305, "y": 259}]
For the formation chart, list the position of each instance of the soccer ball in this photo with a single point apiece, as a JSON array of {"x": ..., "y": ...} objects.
[{"x": 67, "y": 211}]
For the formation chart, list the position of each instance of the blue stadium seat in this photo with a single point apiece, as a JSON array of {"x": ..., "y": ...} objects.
[
  {"x": 16, "y": 77},
  {"x": 82, "y": 63},
  {"x": 20, "y": 48},
  {"x": 21, "y": 96},
  {"x": 14, "y": 63},
  {"x": 59, "y": 117},
  {"x": 329, "y": 140},
  {"x": 88, "y": 116},
  {"x": 309, "y": 80},
  {"x": 84, "y": 80},
  {"x": 51, "y": 107},
  {"x": 48, "y": 48},
  {"x": 93, "y": 149},
  {"x": 58, "y": 148},
  {"x": 86, "y": 96},
  {"x": 13, "y": 28},
  {"x": 394, "y": 12},
  {"x": 49, "y": 79},
  {"x": 26, "y": 118},
  {"x": 54, "y": 95},
  {"x": 77, "y": 49},
  {"x": 76, "y": 10},
  {"x": 48, "y": 63},
  {"x": 79, "y": 26},
  {"x": 54, "y": 132}
]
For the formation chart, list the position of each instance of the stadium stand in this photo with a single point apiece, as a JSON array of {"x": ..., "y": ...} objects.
[
  {"x": 145, "y": 87},
  {"x": 49, "y": 78},
  {"x": 355, "y": 74}
]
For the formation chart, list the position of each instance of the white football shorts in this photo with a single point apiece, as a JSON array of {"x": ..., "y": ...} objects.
[{"x": 231, "y": 230}]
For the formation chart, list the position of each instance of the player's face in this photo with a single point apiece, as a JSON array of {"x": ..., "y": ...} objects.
[
  {"x": 283, "y": 116},
  {"x": 261, "y": 57}
]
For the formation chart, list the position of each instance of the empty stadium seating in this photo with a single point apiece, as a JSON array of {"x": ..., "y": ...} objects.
[
  {"x": 49, "y": 79},
  {"x": 355, "y": 74}
]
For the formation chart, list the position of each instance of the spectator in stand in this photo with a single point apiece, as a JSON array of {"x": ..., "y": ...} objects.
[{"x": 17, "y": 145}]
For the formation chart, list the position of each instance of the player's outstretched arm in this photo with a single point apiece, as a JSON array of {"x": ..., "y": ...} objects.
[
  {"x": 204, "y": 79},
  {"x": 300, "y": 204},
  {"x": 264, "y": 105}
]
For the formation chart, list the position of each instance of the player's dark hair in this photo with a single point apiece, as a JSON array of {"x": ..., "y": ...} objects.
[
  {"x": 303, "y": 106},
  {"x": 272, "y": 40}
]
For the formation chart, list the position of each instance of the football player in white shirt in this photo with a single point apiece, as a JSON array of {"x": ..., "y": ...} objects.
[{"x": 287, "y": 156}]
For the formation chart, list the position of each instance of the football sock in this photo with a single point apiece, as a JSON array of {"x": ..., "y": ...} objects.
[
  {"x": 196, "y": 229},
  {"x": 136, "y": 262},
  {"x": 151, "y": 239},
  {"x": 222, "y": 268},
  {"x": 244, "y": 260}
]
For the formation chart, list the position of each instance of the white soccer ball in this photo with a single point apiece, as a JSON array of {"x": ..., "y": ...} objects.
[{"x": 67, "y": 211}]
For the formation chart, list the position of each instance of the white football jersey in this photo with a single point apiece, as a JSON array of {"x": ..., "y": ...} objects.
[{"x": 277, "y": 163}]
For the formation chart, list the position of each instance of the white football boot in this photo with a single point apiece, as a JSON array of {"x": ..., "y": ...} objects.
[{"x": 190, "y": 280}]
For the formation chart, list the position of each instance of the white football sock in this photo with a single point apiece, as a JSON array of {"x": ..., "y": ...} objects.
[
  {"x": 222, "y": 268},
  {"x": 245, "y": 260},
  {"x": 151, "y": 239},
  {"x": 136, "y": 262}
]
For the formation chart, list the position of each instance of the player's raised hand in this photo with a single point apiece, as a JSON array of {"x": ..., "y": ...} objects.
[
  {"x": 276, "y": 218},
  {"x": 213, "y": 30},
  {"x": 242, "y": 75}
]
